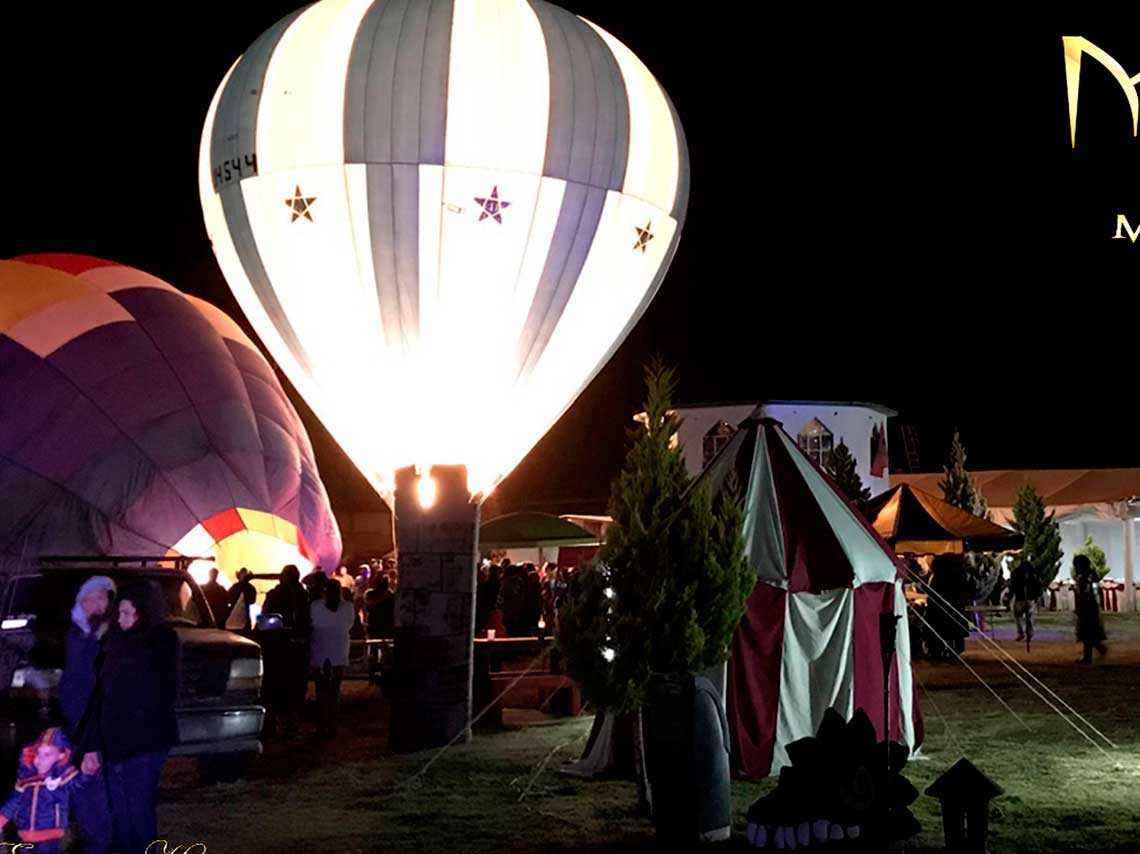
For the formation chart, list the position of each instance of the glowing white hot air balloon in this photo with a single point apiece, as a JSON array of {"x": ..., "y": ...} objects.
[{"x": 442, "y": 217}]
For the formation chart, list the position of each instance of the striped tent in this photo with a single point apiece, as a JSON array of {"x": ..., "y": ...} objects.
[
  {"x": 430, "y": 209},
  {"x": 809, "y": 639},
  {"x": 138, "y": 420}
]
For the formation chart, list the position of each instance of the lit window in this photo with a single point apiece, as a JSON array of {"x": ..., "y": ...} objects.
[
  {"x": 715, "y": 440},
  {"x": 817, "y": 442}
]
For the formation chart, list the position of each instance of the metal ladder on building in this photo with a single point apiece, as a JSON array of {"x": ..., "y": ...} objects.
[{"x": 911, "y": 446}]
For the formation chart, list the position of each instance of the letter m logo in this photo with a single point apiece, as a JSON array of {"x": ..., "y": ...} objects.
[{"x": 1075, "y": 48}]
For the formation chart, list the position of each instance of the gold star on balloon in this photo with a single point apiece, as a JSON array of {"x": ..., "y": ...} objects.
[
  {"x": 644, "y": 235},
  {"x": 300, "y": 204}
]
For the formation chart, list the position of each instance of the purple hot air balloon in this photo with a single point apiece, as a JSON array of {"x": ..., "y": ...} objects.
[{"x": 138, "y": 420}]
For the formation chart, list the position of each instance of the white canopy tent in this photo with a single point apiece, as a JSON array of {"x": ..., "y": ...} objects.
[{"x": 1101, "y": 503}]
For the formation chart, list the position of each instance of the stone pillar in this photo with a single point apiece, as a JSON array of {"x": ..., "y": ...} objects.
[
  {"x": 431, "y": 677},
  {"x": 1129, "y": 560}
]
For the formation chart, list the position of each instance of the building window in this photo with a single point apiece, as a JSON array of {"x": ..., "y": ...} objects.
[
  {"x": 715, "y": 440},
  {"x": 817, "y": 442}
]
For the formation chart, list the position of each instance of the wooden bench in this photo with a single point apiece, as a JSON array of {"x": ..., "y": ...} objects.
[
  {"x": 987, "y": 611},
  {"x": 553, "y": 692}
]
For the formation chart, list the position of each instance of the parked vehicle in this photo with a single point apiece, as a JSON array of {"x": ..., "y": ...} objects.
[{"x": 219, "y": 709}]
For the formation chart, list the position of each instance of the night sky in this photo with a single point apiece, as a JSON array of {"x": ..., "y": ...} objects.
[{"x": 882, "y": 209}]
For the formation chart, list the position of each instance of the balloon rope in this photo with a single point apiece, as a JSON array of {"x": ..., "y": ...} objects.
[
  {"x": 941, "y": 714},
  {"x": 997, "y": 651},
  {"x": 975, "y": 673},
  {"x": 404, "y": 784}
]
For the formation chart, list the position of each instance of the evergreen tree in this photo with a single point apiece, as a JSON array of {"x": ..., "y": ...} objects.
[
  {"x": 959, "y": 489},
  {"x": 841, "y": 467},
  {"x": 670, "y": 581},
  {"x": 1042, "y": 535},
  {"x": 1096, "y": 557}
]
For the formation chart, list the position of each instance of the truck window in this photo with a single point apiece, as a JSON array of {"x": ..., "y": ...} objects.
[
  {"x": 42, "y": 602},
  {"x": 182, "y": 604}
]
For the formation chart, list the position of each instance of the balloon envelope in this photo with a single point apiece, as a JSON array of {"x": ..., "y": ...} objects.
[
  {"x": 138, "y": 420},
  {"x": 442, "y": 217}
]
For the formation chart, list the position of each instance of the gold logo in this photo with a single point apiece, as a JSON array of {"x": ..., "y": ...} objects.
[
  {"x": 1075, "y": 48},
  {"x": 1123, "y": 227},
  {"x": 177, "y": 849}
]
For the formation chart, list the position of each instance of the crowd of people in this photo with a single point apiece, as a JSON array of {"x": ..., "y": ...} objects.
[
  {"x": 940, "y": 628},
  {"x": 518, "y": 600},
  {"x": 318, "y": 616}
]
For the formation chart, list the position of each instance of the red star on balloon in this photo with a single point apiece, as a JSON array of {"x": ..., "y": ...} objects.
[{"x": 492, "y": 206}]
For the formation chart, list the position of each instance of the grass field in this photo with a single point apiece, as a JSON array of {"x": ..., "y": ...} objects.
[{"x": 501, "y": 792}]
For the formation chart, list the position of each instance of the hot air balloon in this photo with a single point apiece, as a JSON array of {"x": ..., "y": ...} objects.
[
  {"x": 442, "y": 217},
  {"x": 138, "y": 420}
]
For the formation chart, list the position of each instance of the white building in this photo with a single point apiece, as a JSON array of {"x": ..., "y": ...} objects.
[{"x": 819, "y": 427}]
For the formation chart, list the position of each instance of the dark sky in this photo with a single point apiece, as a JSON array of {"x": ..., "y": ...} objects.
[{"x": 883, "y": 208}]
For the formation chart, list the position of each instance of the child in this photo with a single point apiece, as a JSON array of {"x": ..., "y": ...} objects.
[{"x": 44, "y": 783}]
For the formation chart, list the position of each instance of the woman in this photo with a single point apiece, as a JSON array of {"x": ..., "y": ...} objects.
[
  {"x": 946, "y": 614},
  {"x": 132, "y": 723},
  {"x": 332, "y": 620},
  {"x": 1090, "y": 630},
  {"x": 90, "y": 618},
  {"x": 241, "y": 595}
]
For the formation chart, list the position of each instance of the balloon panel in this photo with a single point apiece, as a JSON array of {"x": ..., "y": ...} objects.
[
  {"x": 129, "y": 414},
  {"x": 441, "y": 217}
]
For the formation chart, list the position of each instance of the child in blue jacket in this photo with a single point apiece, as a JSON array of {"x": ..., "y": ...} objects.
[{"x": 44, "y": 785}]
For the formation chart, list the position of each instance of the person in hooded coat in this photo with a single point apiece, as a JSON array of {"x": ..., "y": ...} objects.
[
  {"x": 46, "y": 785},
  {"x": 1090, "y": 629},
  {"x": 132, "y": 724},
  {"x": 946, "y": 614},
  {"x": 91, "y": 617}
]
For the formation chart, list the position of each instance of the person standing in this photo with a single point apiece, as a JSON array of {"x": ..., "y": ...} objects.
[
  {"x": 132, "y": 725},
  {"x": 90, "y": 619},
  {"x": 949, "y": 625},
  {"x": 332, "y": 619},
  {"x": 241, "y": 595},
  {"x": 1090, "y": 629},
  {"x": 286, "y": 664},
  {"x": 342, "y": 577},
  {"x": 46, "y": 786},
  {"x": 218, "y": 598},
  {"x": 359, "y": 587},
  {"x": 1025, "y": 590}
]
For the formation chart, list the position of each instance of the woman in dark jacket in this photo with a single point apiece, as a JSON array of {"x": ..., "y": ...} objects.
[
  {"x": 132, "y": 724},
  {"x": 1090, "y": 630},
  {"x": 946, "y": 614}
]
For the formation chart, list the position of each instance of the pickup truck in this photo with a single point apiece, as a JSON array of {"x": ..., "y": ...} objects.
[{"x": 219, "y": 672}]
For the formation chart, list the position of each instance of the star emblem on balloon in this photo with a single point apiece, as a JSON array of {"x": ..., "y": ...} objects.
[
  {"x": 492, "y": 206},
  {"x": 300, "y": 203},
  {"x": 644, "y": 235}
]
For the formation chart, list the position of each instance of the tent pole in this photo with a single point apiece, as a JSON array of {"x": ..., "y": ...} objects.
[
  {"x": 888, "y": 621},
  {"x": 1129, "y": 557}
]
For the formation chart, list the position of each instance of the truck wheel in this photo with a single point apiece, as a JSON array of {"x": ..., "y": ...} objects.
[{"x": 224, "y": 767}]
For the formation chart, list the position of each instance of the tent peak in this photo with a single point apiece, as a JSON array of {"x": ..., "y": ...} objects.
[{"x": 759, "y": 417}]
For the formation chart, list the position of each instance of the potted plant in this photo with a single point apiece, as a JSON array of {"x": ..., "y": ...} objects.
[{"x": 658, "y": 608}]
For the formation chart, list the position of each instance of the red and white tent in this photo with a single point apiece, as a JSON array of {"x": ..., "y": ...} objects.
[{"x": 809, "y": 639}]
